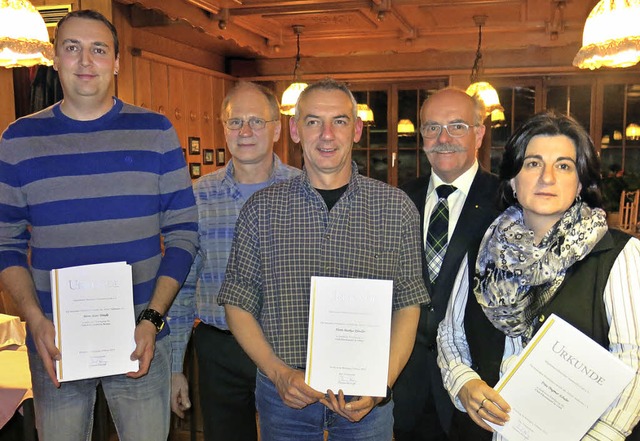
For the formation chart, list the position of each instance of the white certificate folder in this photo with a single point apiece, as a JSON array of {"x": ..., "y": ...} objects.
[
  {"x": 349, "y": 335},
  {"x": 560, "y": 385},
  {"x": 94, "y": 319}
]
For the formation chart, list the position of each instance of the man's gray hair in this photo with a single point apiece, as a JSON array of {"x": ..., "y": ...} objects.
[
  {"x": 328, "y": 84},
  {"x": 274, "y": 105}
]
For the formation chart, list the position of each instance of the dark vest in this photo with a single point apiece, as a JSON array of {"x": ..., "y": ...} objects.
[{"x": 578, "y": 300}]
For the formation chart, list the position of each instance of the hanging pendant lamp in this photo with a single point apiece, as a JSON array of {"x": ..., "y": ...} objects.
[
  {"x": 611, "y": 36},
  {"x": 24, "y": 40},
  {"x": 483, "y": 89},
  {"x": 291, "y": 94}
]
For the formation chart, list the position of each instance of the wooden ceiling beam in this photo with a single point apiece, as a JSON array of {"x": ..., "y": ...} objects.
[
  {"x": 282, "y": 8},
  {"x": 202, "y": 20}
]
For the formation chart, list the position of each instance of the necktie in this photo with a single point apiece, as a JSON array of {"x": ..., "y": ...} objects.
[{"x": 436, "y": 245}]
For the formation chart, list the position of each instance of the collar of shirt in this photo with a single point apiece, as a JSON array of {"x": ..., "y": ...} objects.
[
  {"x": 353, "y": 184},
  {"x": 456, "y": 199},
  {"x": 229, "y": 170}
]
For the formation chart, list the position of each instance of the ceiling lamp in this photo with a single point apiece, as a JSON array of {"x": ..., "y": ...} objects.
[
  {"x": 484, "y": 90},
  {"x": 406, "y": 127},
  {"x": 24, "y": 40},
  {"x": 611, "y": 35},
  {"x": 290, "y": 96},
  {"x": 365, "y": 114}
]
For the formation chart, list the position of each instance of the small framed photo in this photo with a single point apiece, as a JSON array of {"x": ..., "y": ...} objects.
[
  {"x": 194, "y": 145},
  {"x": 195, "y": 170},
  {"x": 207, "y": 156},
  {"x": 220, "y": 159}
]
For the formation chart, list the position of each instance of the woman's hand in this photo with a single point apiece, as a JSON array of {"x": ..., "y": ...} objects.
[{"x": 484, "y": 403}]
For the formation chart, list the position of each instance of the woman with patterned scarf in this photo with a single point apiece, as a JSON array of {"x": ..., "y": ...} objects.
[{"x": 549, "y": 252}]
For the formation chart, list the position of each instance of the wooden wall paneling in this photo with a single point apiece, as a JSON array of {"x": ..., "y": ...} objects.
[
  {"x": 176, "y": 112},
  {"x": 124, "y": 81},
  {"x": 206, "y": 118},
  {"x": 142, "y": 82},
  {"x": 191, "y": 101},
  {"x": 159, "y": 88},
  {"x": 7, "y": 103},
  {"x": 220, "y": 88}
]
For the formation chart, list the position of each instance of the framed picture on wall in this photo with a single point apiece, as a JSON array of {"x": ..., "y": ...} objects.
[
  {"x": 220, "y": 160},
  {"x": 195, "y": 170},
  {"x": 207, "y": 156},
  {"x": 194, "y": 145}
]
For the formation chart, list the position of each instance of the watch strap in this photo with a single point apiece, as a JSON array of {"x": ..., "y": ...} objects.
[{"x": 153, "y": 316}]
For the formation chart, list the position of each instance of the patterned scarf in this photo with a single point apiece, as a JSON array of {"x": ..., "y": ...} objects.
[{"x": 515, "y": 279}]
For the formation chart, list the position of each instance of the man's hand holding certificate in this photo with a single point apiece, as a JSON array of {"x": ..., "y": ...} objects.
[
  {"x": 94, "y": 320},
  {"x": 349, "y": 335},
  {"x": 560, "y": 385}
]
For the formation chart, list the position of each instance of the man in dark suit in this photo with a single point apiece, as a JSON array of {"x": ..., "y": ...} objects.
[{"x": 452, "y": 129}]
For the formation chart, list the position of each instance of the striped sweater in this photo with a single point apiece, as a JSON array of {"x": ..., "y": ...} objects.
[{"x": 82, "y": 192}]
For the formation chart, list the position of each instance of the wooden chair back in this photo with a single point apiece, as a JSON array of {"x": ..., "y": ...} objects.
[{"x": 629, "y": 201}]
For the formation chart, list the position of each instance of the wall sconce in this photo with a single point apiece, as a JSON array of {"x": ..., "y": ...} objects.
[
  {"x": 290, "y": 96},
  {"x": 366, "y": 114},
  {"x": 632, "y": 132},
  {"x": 406, "y": 127},
  {"x": 498, "y": 119},
  {"x": 24, "y": 40}
]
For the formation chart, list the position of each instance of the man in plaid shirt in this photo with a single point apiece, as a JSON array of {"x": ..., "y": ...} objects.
[{"x": 329, "y": 221}]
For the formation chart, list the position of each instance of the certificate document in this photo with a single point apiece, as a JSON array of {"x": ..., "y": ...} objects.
[
  {"x": 94, "y": 320},
  {"x": 349, "y": 335},
  {"x": 560, "y": 385}
]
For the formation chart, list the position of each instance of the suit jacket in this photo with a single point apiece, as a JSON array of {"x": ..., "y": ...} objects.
[{"x": 411, "y": 394}]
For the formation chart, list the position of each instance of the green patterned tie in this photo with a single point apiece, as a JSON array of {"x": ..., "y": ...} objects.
[{"x": 437, "y": 232}]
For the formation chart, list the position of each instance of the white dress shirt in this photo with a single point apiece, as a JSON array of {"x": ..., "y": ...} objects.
[{"x": 455, "y": 200}]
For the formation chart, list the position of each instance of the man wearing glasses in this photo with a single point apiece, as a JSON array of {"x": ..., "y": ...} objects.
[
  {"x": 251, "y": 117},
  {"x": 456, "y": 204}
]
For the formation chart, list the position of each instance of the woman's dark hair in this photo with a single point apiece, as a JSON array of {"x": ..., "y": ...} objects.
[{"x": 551, "y": 124}]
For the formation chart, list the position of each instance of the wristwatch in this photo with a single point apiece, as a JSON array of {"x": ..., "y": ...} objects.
[
  {"x": 153, "y": 316},
  {"x": 386, "y": 399}
]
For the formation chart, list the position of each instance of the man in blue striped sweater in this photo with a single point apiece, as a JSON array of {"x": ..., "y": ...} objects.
[{"x": 91, "y": 180}]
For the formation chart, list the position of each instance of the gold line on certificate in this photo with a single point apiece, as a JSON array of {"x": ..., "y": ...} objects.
[{"x": 349, "y": 335}]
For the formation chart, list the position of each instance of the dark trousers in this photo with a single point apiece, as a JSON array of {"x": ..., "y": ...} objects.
[
  {"x": 464, "y": 428},
  {"x": 416, "y": 416},
  {"x": 227, "y": 378}
]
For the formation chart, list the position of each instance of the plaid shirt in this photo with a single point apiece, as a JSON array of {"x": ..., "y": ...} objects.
[
  {"x": 285, "y": 235},
  {"x": 219, "y": 202}
]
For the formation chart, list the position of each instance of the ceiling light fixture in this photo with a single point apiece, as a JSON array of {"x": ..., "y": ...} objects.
[
  {"x": 484, "y": 90},
  {"x": 611, "y": 36},
  {"x": 290, "y": 96},
  {"x": 24, "y": 40}
]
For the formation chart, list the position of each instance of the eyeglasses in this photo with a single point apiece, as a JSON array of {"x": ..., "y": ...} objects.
[
  {"x": 254, "y": 123},
  {"x": 455, "y": 130}
]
